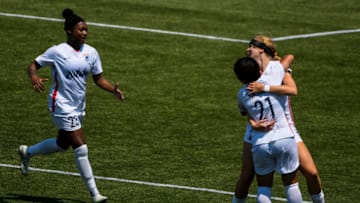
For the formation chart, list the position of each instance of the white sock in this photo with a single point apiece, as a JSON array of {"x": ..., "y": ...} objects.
[
  {"x": 318, "y": 198},
  {"x": 84, "y": 167},
  {"x": 45, "y": 147},
  {"x": 264, "y": 194},
  {"x": 237, "y": 200},
  {"x": 293, "y": 194}
]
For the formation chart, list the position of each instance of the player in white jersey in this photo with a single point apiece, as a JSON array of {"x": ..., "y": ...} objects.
[
  {"x": 262, "y": 49},
  {"x": 272, "y": 150},
  {"x": 70, "y": 63}
]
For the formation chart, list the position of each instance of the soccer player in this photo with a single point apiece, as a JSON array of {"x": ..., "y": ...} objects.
[
  {"x": 274, "y": 149},
  {"x": 70, "y": 63},
  {"x": 264, "y": 51}
]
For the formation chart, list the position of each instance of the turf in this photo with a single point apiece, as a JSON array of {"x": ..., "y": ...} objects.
[{"x": 179, "y": 124}]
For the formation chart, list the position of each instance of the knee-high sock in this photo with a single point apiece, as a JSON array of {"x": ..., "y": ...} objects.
[
  {"x": 318, "y": 198},
  {"x": 264, "y": 194},
  {"x": 84, "y": 167},
  {"x": 293, "y": 193},
  {"x": 44, "y": 147}
]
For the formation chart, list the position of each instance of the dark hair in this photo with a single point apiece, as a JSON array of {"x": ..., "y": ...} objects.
[
  {"x": 247, "y": 69},
  {"x": 71, "y": 19}
]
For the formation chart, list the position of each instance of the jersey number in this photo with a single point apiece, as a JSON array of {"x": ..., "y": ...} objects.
[{"x": 261, "y": 105}]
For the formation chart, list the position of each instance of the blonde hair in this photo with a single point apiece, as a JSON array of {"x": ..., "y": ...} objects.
[{"x": 269, "y": 43}]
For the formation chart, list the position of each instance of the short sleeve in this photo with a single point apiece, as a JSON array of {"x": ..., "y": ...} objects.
[
  {"x": 96, "y": 66},
  {"x": 47, "y": 58},
  {"x": 241, "y": 107}
]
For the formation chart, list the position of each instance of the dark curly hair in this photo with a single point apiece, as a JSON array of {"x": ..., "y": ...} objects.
[{"x": 71, "y": 19}]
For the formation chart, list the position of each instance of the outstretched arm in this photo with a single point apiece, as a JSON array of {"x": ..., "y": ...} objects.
[{"x": 106, "y": 85}]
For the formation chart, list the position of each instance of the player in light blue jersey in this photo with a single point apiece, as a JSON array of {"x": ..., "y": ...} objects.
[
  {"x": 70, "y": 62},
  {"x": 272, "y": 150}
]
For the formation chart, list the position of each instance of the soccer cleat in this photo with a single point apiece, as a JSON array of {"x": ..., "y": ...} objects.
[
  {"x": 24, "y": 158},
  {"x": 99, "y": 198}
]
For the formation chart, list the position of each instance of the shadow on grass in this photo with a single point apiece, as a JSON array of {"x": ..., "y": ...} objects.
[{"x": 9, "y": 198}]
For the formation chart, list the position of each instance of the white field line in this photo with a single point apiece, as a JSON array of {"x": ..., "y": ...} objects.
[
  {"x": 183, "y": 33},
  {"x": 316, "y": 34},
  {"x": 131, "y": 28},
  {"x": 138, "y": 182}
]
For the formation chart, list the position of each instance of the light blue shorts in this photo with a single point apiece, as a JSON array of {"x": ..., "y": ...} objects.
[{"x": 280, "y": 156}]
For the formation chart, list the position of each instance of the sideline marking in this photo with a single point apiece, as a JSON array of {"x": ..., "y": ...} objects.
[
  {"x": 315, "y": 34},
  {"x": 183, "y": 33},
  {"x": 131, "y": 28},
  {"x": 138, "y": 182}
]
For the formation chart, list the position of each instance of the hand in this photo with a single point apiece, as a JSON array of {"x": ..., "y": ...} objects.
[
  {"x": 262, "y": 125},
  {"x": 38, "y": 83},
  {"x": 118, "y": 93},
  {"x": 255, "y": 87}
]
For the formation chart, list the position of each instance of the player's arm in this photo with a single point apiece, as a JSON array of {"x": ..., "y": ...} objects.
[
  {"x": 101, "y": 82},
  {"x": 261, "y": 125},
  {"x": 37, "y": 82},
  {"x": 287, "y": 88},
  {"x": 286, "y": 61}
]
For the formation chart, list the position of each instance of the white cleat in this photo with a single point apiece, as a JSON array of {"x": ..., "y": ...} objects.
[
  {"x": 99, "y": 198},
  {"x": 24, "y": 157}
]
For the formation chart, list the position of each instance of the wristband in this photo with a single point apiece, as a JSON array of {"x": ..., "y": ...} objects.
[{"x": 267, "y": 88}]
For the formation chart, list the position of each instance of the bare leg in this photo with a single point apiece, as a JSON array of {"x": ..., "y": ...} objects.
[
  {"x": 247, "y": 173},
  {"x": 308, "y": 169}
]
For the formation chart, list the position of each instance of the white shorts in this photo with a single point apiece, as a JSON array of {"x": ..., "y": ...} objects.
[
  {"x": 280, "y": 156},
  {"x": 68, "y": 122},
  {"x": 248, "y": 131}
]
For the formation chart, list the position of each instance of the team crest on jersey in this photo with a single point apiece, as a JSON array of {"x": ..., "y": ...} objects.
[{"x": 87, "y": 57}]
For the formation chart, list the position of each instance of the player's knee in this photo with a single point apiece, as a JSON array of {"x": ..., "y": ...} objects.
[{"x": 81, "y": 151}]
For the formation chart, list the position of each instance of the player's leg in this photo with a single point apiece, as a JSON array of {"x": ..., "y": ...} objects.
[
  {"x": 47, "y": 146},
  {"x": 264, "y": 165},
  {"x": 287, "y": 158},
  {"x": 265, "y": 183},
  {"x": 292, "y": 190},
  {"x": 78, "y": 143},
  {"x": 247, "y": 175},
  {"x": 309, "y": 170}
]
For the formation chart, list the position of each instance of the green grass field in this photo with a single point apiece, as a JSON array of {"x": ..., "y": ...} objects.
[{"x": 180, "y": 123}]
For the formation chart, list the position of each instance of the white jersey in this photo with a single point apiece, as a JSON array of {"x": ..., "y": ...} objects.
[
  {"x": 69, "y": 69},
  {"x": 273, "y": 75},
  {"x": 265, "y": 106}
]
